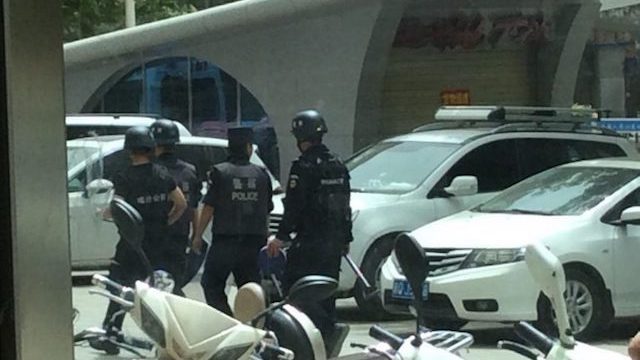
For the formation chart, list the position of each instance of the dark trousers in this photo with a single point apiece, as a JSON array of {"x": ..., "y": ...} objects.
[
  {"x": 128, "y": 267},
  {"x": 230, "y": 254},
  {"x": 315, "y": 258},
  {"x": 175, "y": 261}
]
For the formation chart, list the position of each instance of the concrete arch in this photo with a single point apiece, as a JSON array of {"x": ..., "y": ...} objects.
[{"x": 290, "y": 54}]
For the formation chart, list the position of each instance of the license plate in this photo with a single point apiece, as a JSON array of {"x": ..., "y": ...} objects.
[{"x": 402, "y": 290}]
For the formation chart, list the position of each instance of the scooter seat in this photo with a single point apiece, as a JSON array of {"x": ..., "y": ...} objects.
[{"x": 250, "y": 301}]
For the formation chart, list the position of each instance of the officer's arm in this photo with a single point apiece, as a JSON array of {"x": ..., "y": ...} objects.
[
  {"x": 269, "y": 189},
  {"x": 194, "y": 200},
  {"x": 205, "y": 216},
  {"x": 206, "y": 213},
  {"x": 294, "y": 202},
  {"x": 179, "y": 205}
]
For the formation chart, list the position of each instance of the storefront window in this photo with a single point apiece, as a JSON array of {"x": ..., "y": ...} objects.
[
  {"x": 166, "y": 88},
  {"x": 125, "y": 96}
]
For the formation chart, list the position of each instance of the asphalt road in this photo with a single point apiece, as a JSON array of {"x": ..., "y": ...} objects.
[{"x": 486, "y": 336}]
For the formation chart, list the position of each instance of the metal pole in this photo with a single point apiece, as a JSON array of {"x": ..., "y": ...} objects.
[{"x": 129, "y": 13}]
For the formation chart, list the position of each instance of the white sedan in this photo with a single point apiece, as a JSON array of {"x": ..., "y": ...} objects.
[{"x": 587, "y": 213}]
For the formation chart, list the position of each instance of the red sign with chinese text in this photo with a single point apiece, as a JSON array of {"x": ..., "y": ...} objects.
[{"x": 455, "y": 97}]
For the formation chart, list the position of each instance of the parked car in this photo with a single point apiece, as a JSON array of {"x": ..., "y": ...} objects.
[
  {"x": 86, "y": 125},
  {"x": 92, "y": 239},
  {"x": 587, "y": 213},
  {"x": 463, "y": 159}
]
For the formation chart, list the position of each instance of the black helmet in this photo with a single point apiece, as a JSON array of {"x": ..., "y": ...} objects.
[
  {"x": 239, "y": 136},
  {"x": 138, "y": 137},
  {"x": 308, "y": 124},
  {"x": 165, "y": 132}
]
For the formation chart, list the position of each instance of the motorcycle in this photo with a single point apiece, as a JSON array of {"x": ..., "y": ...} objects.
[
  {"x": 425, "y": 343},
  {"x": 548, "y": 272},
  {"x": 182, "y": 328}
]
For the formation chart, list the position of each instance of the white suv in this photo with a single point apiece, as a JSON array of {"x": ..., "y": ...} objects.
[
  {"x": 92, "y": 239},
  {"x": 84, "y": 125},
  {"x": 587, "y": 213},
  {"x": 468, "y": 156}
]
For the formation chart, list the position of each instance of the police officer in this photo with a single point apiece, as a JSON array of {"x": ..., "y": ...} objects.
[
  {"x": 166, "y": 135},
  {"x": 316, "y": 208},
  {"x": 150, "y": 189},
  {"x": 240, "y": 193}
]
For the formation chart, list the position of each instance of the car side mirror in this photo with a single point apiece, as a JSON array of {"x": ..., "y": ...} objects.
[
  {"x": 99, "y": 192},
  {"x": 463, "y": 186},
  {"x": 630, "y": 216}
]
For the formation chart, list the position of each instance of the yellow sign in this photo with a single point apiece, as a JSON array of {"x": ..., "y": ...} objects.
[{"x": 455, "y": 97}]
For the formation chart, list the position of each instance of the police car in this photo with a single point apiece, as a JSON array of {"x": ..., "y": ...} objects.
[
  {"x": 462, "y": 159},
  {"x": 92, "y": 239}
]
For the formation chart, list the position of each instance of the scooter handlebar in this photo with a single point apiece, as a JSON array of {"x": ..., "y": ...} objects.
[
  {"x": 379, "y": 333},
  {"x": 277, "y": 352},
  {"x": 534, "y": 337},
  {"x": 110, "y": 285}
]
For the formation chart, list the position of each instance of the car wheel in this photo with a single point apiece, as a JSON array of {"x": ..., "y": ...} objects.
[
  {"x": 444, "y": 324},
  {"x": 587, "y": 306},
  {"x": 371, "y": 266}
]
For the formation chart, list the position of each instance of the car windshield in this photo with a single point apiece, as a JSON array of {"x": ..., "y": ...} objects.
[
  {"x": 560, "y": 191},
  {"x": 396, "y": 167},
  {"x": 77, "y": 154}
]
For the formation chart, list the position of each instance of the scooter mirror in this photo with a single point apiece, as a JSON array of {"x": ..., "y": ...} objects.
[
  {"x": 131, "y": 228},
  {"x": 312, "y": 288},
  {"x": 129, "y": 222},
  {"x": 414, "y": 263},
  {"x": 548, "y": 273}
]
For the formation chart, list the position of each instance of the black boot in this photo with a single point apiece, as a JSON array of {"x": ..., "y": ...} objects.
[
  {"x": 334, "y": 341},
  {"x": 105, "y": 344}
]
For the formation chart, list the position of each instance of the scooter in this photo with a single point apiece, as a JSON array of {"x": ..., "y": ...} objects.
[
  {"x": 425, "y": 343},
  {"x": 182, "y": 328},
  {"x": 548, "y": 272}
]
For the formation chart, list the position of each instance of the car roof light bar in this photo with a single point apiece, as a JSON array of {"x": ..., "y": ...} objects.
[{"x": 515, "y": 113}]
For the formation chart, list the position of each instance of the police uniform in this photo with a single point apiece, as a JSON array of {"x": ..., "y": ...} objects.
[
  {"x": 240, "y": 193},
  {"x": 146, "y": 187},
  {"x": 317, "y": 210},
  {"x": 184, "y": 174}
]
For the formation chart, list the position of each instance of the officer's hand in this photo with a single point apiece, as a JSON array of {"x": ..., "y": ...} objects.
[
  {"x": 196, "y": 245},
  {"x": 273, "y": 246},
  {"x": 634, "y": 347}
]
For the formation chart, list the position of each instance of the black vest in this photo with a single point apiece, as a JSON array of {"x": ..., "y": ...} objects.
[
  {"x": 328, "y": 215},
  {"x": 243, "y": 199}
]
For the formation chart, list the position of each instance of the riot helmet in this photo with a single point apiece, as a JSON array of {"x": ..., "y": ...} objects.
[
  {"x": 138, "y": 138},
  {"x": 165, "y": 132},
  {"x": 308, "y": 125}
]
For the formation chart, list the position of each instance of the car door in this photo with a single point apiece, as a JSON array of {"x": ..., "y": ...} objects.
[
  {"x": 93, "y": 239},
  {"x": 495, "y": 166},
  {"x": 626, "y": 249}
]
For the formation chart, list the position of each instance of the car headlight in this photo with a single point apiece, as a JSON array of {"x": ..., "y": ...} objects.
[{"x": 488, "y": 257}]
